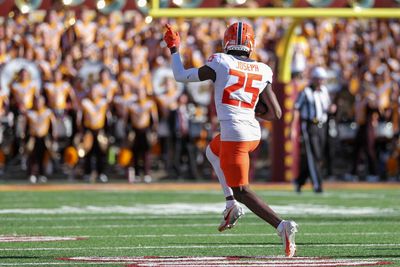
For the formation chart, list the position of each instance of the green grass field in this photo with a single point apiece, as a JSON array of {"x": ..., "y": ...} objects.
[{"x": 117, "y": 228}]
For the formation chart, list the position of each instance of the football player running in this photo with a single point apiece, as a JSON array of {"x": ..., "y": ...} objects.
[{"x": 239, "y": 83}]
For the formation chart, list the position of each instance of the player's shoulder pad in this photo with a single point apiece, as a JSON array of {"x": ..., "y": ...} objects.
[
  {"x": 268, "y": 68},
  {"x": 215, "y": 58},
  {"x": 267, "y": 72}
]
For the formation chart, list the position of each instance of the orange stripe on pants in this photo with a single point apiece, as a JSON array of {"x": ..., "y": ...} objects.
[{"x": 234, "y": 159}]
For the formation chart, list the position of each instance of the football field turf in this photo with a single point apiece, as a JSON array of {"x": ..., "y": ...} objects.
[{"x": 176, "y": 225}]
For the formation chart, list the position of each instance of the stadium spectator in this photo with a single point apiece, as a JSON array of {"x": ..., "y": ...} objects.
[
  {"x": 40, "y": 118},
  {"x": 95, "y": 109},
  {"x": 58, "y": 92},
  {"x": 144, "y": 120},
  {"x": 68, "y": 69},
  {"x": 107, "y": 87},
  {"x": 4, "y": 57},
  {"x": 85, "y": 28},
  {"x": 51, "y": 31},
  {"x": 121, "y": 106},
  {"x": 366, "y": 118},
  {"x": 23, "y": 92}
]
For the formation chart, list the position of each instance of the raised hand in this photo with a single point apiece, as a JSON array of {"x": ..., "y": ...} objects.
[{"x": 171, "y": 37}]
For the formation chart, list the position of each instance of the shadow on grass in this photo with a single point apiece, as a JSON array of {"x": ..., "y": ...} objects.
[{"x": 20, "y": 257}]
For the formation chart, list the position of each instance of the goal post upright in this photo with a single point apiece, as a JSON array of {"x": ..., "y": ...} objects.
[
  {"x": 155, "y": 6},
  {"x": 283, "y": 148}
]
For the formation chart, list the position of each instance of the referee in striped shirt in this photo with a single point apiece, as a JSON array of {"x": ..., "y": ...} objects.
[{"x": 311, "y": 109}]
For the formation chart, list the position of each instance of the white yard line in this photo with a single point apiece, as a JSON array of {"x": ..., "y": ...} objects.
[
  {"x": 218, "y": 261},
  {"x": 106, "y": 217},
  {"x": 209, "y": 261},
  {"x": 23, "y": 238},
  {"x": 207, "y": 246},
  {"x": 266, "y": 264},
  {"x": 263, "y": 264},
  {"x": 239, "y": 235},
  {"x": 167, "y": 225},
  {"x": 202, "y": 208},
  {"x": 39, "y": 238},
  {"x": 162, "y": 225},
  {"x": 211, "y": 264},
  {"x": 132, "y": 218},
  {"x": 255, "y": 263}
]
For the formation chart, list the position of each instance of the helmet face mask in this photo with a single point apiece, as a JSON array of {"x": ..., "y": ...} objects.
[{"x": 239, "y": 37}]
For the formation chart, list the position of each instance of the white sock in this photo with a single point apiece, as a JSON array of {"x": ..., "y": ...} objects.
[
  {"x": 214, "y": 160},
  {"x": 280, "y": 226}
]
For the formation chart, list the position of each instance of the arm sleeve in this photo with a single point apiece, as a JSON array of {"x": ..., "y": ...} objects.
[
  {"x": 300, "y": 100},
  {"x": 180, "y": 73}
]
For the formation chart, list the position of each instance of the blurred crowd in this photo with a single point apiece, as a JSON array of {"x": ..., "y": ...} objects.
[
  {"x": 361, "y": 58},
  {"x": 92, "y": 94}
]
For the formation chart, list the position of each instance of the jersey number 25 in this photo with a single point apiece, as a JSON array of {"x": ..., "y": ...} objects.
[{"x": 244, "y": 80}]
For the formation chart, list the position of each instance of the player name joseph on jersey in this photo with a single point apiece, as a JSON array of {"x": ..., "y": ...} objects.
[{"x": 246, "y": 66}]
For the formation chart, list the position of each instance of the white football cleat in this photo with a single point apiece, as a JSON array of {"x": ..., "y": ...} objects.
[
  {"x": 287, "y": 235},
  {"x": 103, "y": 178},
  {"x": 231, "y": 216},
  {"x": 33, "y": 179}
]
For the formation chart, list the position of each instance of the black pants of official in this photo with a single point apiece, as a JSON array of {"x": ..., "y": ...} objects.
[
  {"x": 141, "y": 151},
  {"x": 36, "y": 157},
  {"x": 312, "y": 149},
  {"x": 95, "y": 153}
]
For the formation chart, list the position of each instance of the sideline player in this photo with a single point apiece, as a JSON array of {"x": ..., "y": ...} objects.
[{"x": 239, "y": 82}]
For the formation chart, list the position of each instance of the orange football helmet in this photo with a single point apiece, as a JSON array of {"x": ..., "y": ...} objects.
[{"x": 239, "y": 36}]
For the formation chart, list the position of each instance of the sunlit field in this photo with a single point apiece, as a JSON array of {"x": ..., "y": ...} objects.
[{"x": 153, "y": 227}]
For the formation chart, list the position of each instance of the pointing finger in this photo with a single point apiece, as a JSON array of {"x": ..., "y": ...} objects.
[{"x": 169, "y": 28}]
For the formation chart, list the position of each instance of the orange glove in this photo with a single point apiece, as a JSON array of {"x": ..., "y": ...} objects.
[{"x": 171, "y": 37}]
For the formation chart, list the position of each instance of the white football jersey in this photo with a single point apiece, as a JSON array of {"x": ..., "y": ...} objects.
[{"x": 238, "y": 85}]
